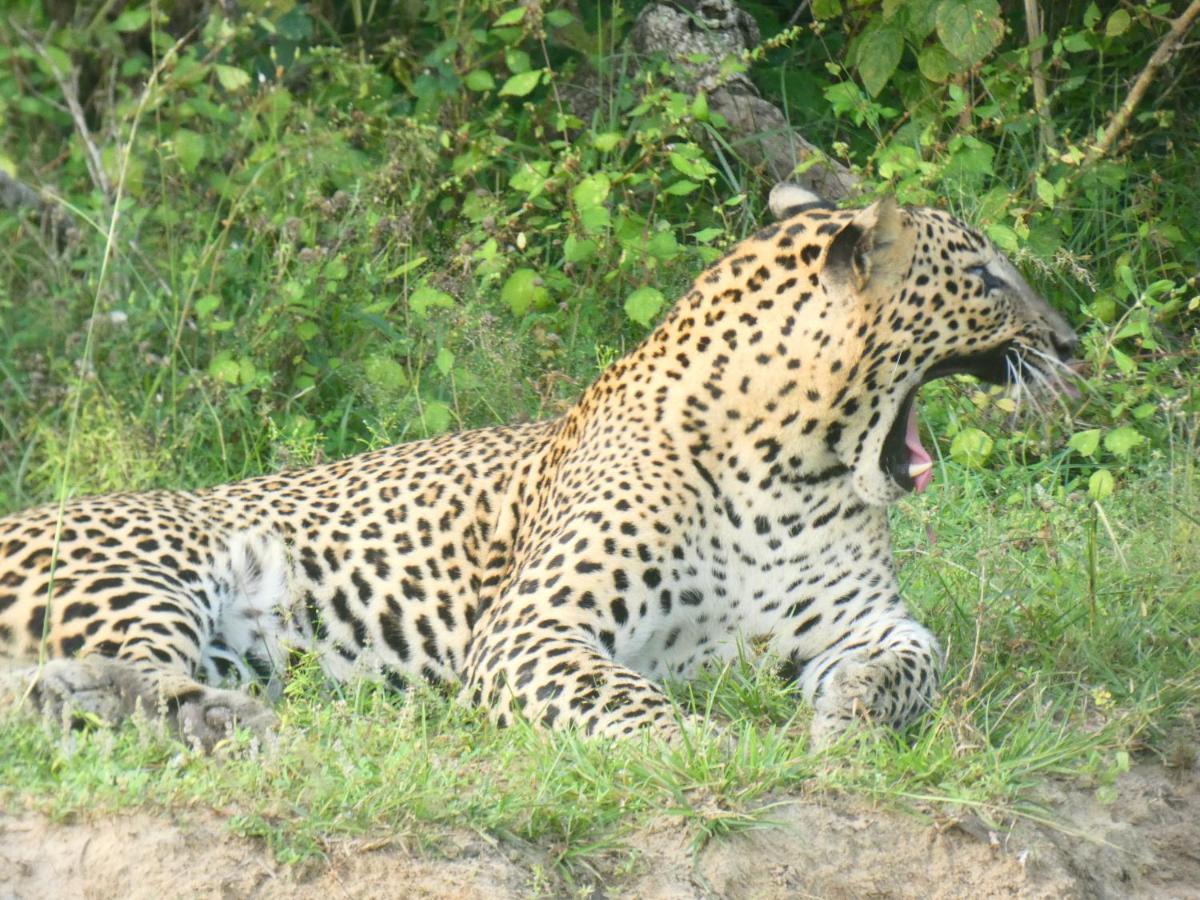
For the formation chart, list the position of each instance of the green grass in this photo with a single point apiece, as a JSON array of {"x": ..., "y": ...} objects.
[{"x": 1042, "y": 680}]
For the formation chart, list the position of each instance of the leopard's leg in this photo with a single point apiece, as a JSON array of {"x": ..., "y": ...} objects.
[
  {"x": 558, "y": 676},
  {"x": 140, "y": 637},
  {"x": 875, "y": 663},
  {"x": 544, "y": 651}
]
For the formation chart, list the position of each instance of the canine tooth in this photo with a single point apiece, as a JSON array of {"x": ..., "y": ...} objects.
[{"x": 919, "y": 469}]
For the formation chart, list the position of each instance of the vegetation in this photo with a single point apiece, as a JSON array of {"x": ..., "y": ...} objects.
[{"x": 315, "y": 228}]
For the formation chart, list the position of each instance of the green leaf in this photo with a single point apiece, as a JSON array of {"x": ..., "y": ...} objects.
[
  {"x": 921, "y": 16},
  {"x": 384, "y": 372},
  {"x": 132, "y": 20},
  {"x": 426, "y": 298},
  {"x": 512, "y": 17},
  {"x": 59, "y": 58},
  {"x": 1124, "y": 363},
  {"x": 1045, "y": 192},
  {"x": 558, "y": 18},
  {"x": 406, "y": 267},
  {"x": 594, "y": 218},
  {"x": 970, "y": 29},
  {"x": 663, "y": 246},
  {"x": 592, "y": 191},
  {"x": 643, "y": 305},
  {"x": 1118, "y": 23},
  {"x": 826, "y": 9},
  {"x": 704, "y": 235},
  {"x": 232, "y": 78},
  {"x": 1104, "y": 308},
  {"x": 521, "y": 84},
  {"x": 971, "y": 448},
  {"x": 879, "y": 54},
  {"x": 1078, "y": 42},
  {"x": 698, "y": 169},
  {"x": 207, "y": 305},
  {"x": 335, "y": 269},
  {"x": 518, "y": 61},
  {"x": 845, "y": 98},
  {"x": 435, "y": 417},
  {"x": 681, "y": 188},
  {"x": 1125, "y": 273},
  {"x": 1122, "y": 440},
  {"x": 970, "y": 156},
  {"x": 444, "y": 361},
  {"x": 524, "y": 290},
  {"x": 700, "y": 107},
  {"x": 479, "y": 80},
  {"x": 224, "y": 367},
  {"x": 1004, "y": 237},
  {"x": 189, "y": 149},
  {"x": 606, "y": 141},
  {"x": 936, "y": 63},
  {"x": 1085, "y": 443},
  {"x": 531, "y": 177},
  {"x": 1101, "y": 484},
  {"x": 577, "y": 250}
]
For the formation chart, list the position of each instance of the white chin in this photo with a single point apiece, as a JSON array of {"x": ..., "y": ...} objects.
[{"x": 874, "y": 487}]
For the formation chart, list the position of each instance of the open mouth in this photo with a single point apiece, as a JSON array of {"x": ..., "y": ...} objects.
[{"x": 904, "y": 458}]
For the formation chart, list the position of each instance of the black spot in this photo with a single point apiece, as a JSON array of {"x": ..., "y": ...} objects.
[
  {"x": 77, "y": 611},
  {"x": 69, "y": 646},
  {"x": 104, "y": 584},
  {"x": 807, "y": 624},
  {"x": 122, "y": 601},
  {"x": 620, "y": 612}
]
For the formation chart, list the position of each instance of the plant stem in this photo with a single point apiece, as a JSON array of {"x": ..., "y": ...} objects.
[{"x": 1033, "y": 28}]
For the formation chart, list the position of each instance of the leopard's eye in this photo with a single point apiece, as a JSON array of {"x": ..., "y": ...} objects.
[{"x": 991, "y": 281}]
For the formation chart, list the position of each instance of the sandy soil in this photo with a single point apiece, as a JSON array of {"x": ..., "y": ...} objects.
[{"x": 1145, "y": 844}]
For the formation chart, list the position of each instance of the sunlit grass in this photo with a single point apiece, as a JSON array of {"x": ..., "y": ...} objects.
[{"x": 1036, "y": 686}]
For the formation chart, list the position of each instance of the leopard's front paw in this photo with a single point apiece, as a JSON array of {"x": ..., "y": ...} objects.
[
  {"x": 212, "y": 716},
  {"x": 861, "y": 688},
  {"x": 72, "y": 690}
]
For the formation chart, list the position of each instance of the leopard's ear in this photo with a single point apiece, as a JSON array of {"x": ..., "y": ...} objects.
[{"x": 869, "y": 250}]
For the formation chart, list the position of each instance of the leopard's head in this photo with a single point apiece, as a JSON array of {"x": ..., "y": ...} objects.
[{"x": 927, "y": 297}]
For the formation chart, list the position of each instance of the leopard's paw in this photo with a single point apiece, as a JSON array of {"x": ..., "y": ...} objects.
[
  {"x": 212, "y": 715},
  {"x": 860, "y": 689}
]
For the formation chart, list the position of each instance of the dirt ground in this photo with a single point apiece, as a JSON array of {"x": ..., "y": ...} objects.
[{"x": 1143, "y": 844}]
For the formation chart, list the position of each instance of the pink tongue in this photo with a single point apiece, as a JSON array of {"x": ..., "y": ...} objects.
[{"x": 917, "y": 454}]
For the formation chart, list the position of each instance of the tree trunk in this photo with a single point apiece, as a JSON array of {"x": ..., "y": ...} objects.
[{"x": 697, "y": 36}]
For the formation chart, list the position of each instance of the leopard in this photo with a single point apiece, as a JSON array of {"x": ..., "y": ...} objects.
[{"x": 725, "y": 484}]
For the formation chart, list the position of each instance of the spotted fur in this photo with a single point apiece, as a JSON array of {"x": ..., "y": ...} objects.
[{"x": 725, "y": 483}]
